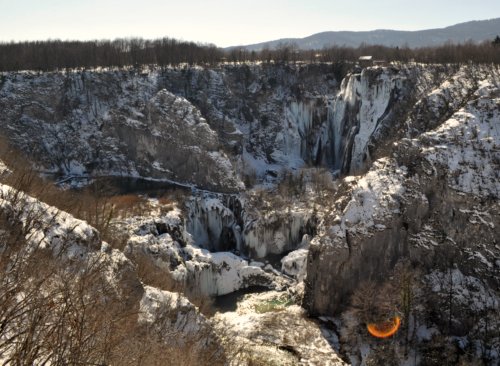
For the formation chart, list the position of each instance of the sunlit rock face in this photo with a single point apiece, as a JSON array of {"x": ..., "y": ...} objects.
[
  {"x": 211, "y": 127},
  {"x": 436, "y": 192},
  {"x": 282, "y": 117}
]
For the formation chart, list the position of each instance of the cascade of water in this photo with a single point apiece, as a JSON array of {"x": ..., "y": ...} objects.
[
  {"x": 297, "y": 123},
  {"x": 337, "y": 113},
  {"x": 215, "y": 226},
  {"x": 364, "y": 100}
]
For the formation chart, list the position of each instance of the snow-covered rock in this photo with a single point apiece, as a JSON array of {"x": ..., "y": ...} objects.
[
  {"x": 221, "y": 273},
  {"x": 467, "y": 145},
  {"x": 95, "y": 123},
  {"x": 294, "y": 263},
  {"x": 267, "y": 118},
  {"x": 266, "y": 329},
  {"x": 227, "y": 222},
  {"x": 198, "y": 269},
  {"x": 467, "y": 292},
  {"x": 171, "y": 314},
  {"x": 434, "y": 191},
  {"x": 46, "y": 226}
]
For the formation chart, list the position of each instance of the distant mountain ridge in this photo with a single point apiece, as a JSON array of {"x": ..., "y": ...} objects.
[{"x": 476, "y": 31}]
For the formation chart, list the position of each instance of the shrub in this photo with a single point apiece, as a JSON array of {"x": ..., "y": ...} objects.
[{"x": 277, "y": 304}]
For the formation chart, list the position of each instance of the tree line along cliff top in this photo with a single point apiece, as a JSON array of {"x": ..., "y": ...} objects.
[{"x": 55, "y": 54}]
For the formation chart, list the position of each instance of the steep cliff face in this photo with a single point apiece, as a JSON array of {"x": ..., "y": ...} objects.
[
  {"x": 437, "y": 190},
  {"x": 285, "y": 117},
  {"x": 199, "y": 126},
  {"x": 267, "y": 118},
  {"x": 229, "y": 223},
  {"x": 270, "y": 116},
  {"x": 364, "y": 104},
  {"x": 416, "y": 148},
  {"x": 112, "y": 123}
]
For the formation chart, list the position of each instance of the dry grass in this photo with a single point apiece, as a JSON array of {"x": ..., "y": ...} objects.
[
  {"x": 129, "y": 205},
  {"x": 169, "y": 201},
  {"x": 68, "y": 313},
  {"x": 93, "y": 204}
]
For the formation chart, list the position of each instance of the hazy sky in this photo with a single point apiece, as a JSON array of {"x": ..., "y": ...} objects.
[{"x": 227, "y": 22}]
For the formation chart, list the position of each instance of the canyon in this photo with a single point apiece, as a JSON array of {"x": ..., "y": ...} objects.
[{"x": 297, "y": 184}]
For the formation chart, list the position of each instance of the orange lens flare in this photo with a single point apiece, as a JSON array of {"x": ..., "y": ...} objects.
[{"x": 384, "y": 329}]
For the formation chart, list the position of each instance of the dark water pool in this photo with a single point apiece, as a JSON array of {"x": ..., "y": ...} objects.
[{"x": 228, "y": 302}]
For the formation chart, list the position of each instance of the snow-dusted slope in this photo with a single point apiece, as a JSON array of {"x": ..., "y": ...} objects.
[
  {"x": 77, "y": 248},
  {"x": 112, "y": 123},
  {"x": 193, "y": 125},
  {"x": 467, "y": 144},
  {"x": 47, "y": 227},
  {"x": 450, "y": 170}
]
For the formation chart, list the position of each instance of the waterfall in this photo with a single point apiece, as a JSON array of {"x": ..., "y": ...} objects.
[
  {"x": 334, "y": 131},
  {"x": 363, "y": 102},
  {"x": 219, "y": 223}
]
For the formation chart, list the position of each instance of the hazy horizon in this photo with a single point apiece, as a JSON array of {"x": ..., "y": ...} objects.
[{"x": 222, "y": 22}]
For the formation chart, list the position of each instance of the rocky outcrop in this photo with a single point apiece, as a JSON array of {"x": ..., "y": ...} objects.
[
  {"x": 198, "y": 270},
  {"x": 436, "y": 194},
  {"x": 229, "y": 223},
  {"x": 199, "y": 126},
  {"x": 85, "y": 276},
  {"x": 267, "y": 328},
  {"x": 426, "y": 138},
  {"x": 112, "y": 123},
  {"x": 171, "y": 314},
  {"x": 46, "y": 227}
]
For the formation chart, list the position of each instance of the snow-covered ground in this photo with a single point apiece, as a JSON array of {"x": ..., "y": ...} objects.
[
  {"x": 267, "y": 328},
  {"x": 467, "y": 144}
]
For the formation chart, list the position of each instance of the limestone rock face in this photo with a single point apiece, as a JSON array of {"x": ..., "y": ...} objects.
[
  {"x": 210, "y": 128},
  {"x": 413, "y": 151},
  {"x": 174, "y": 141},
  {"x": 433, "y": 200},
  {"x": 112, "y": 123}
]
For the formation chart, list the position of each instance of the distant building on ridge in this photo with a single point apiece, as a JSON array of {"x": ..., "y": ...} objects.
[{"x": 365, "y": 61}]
